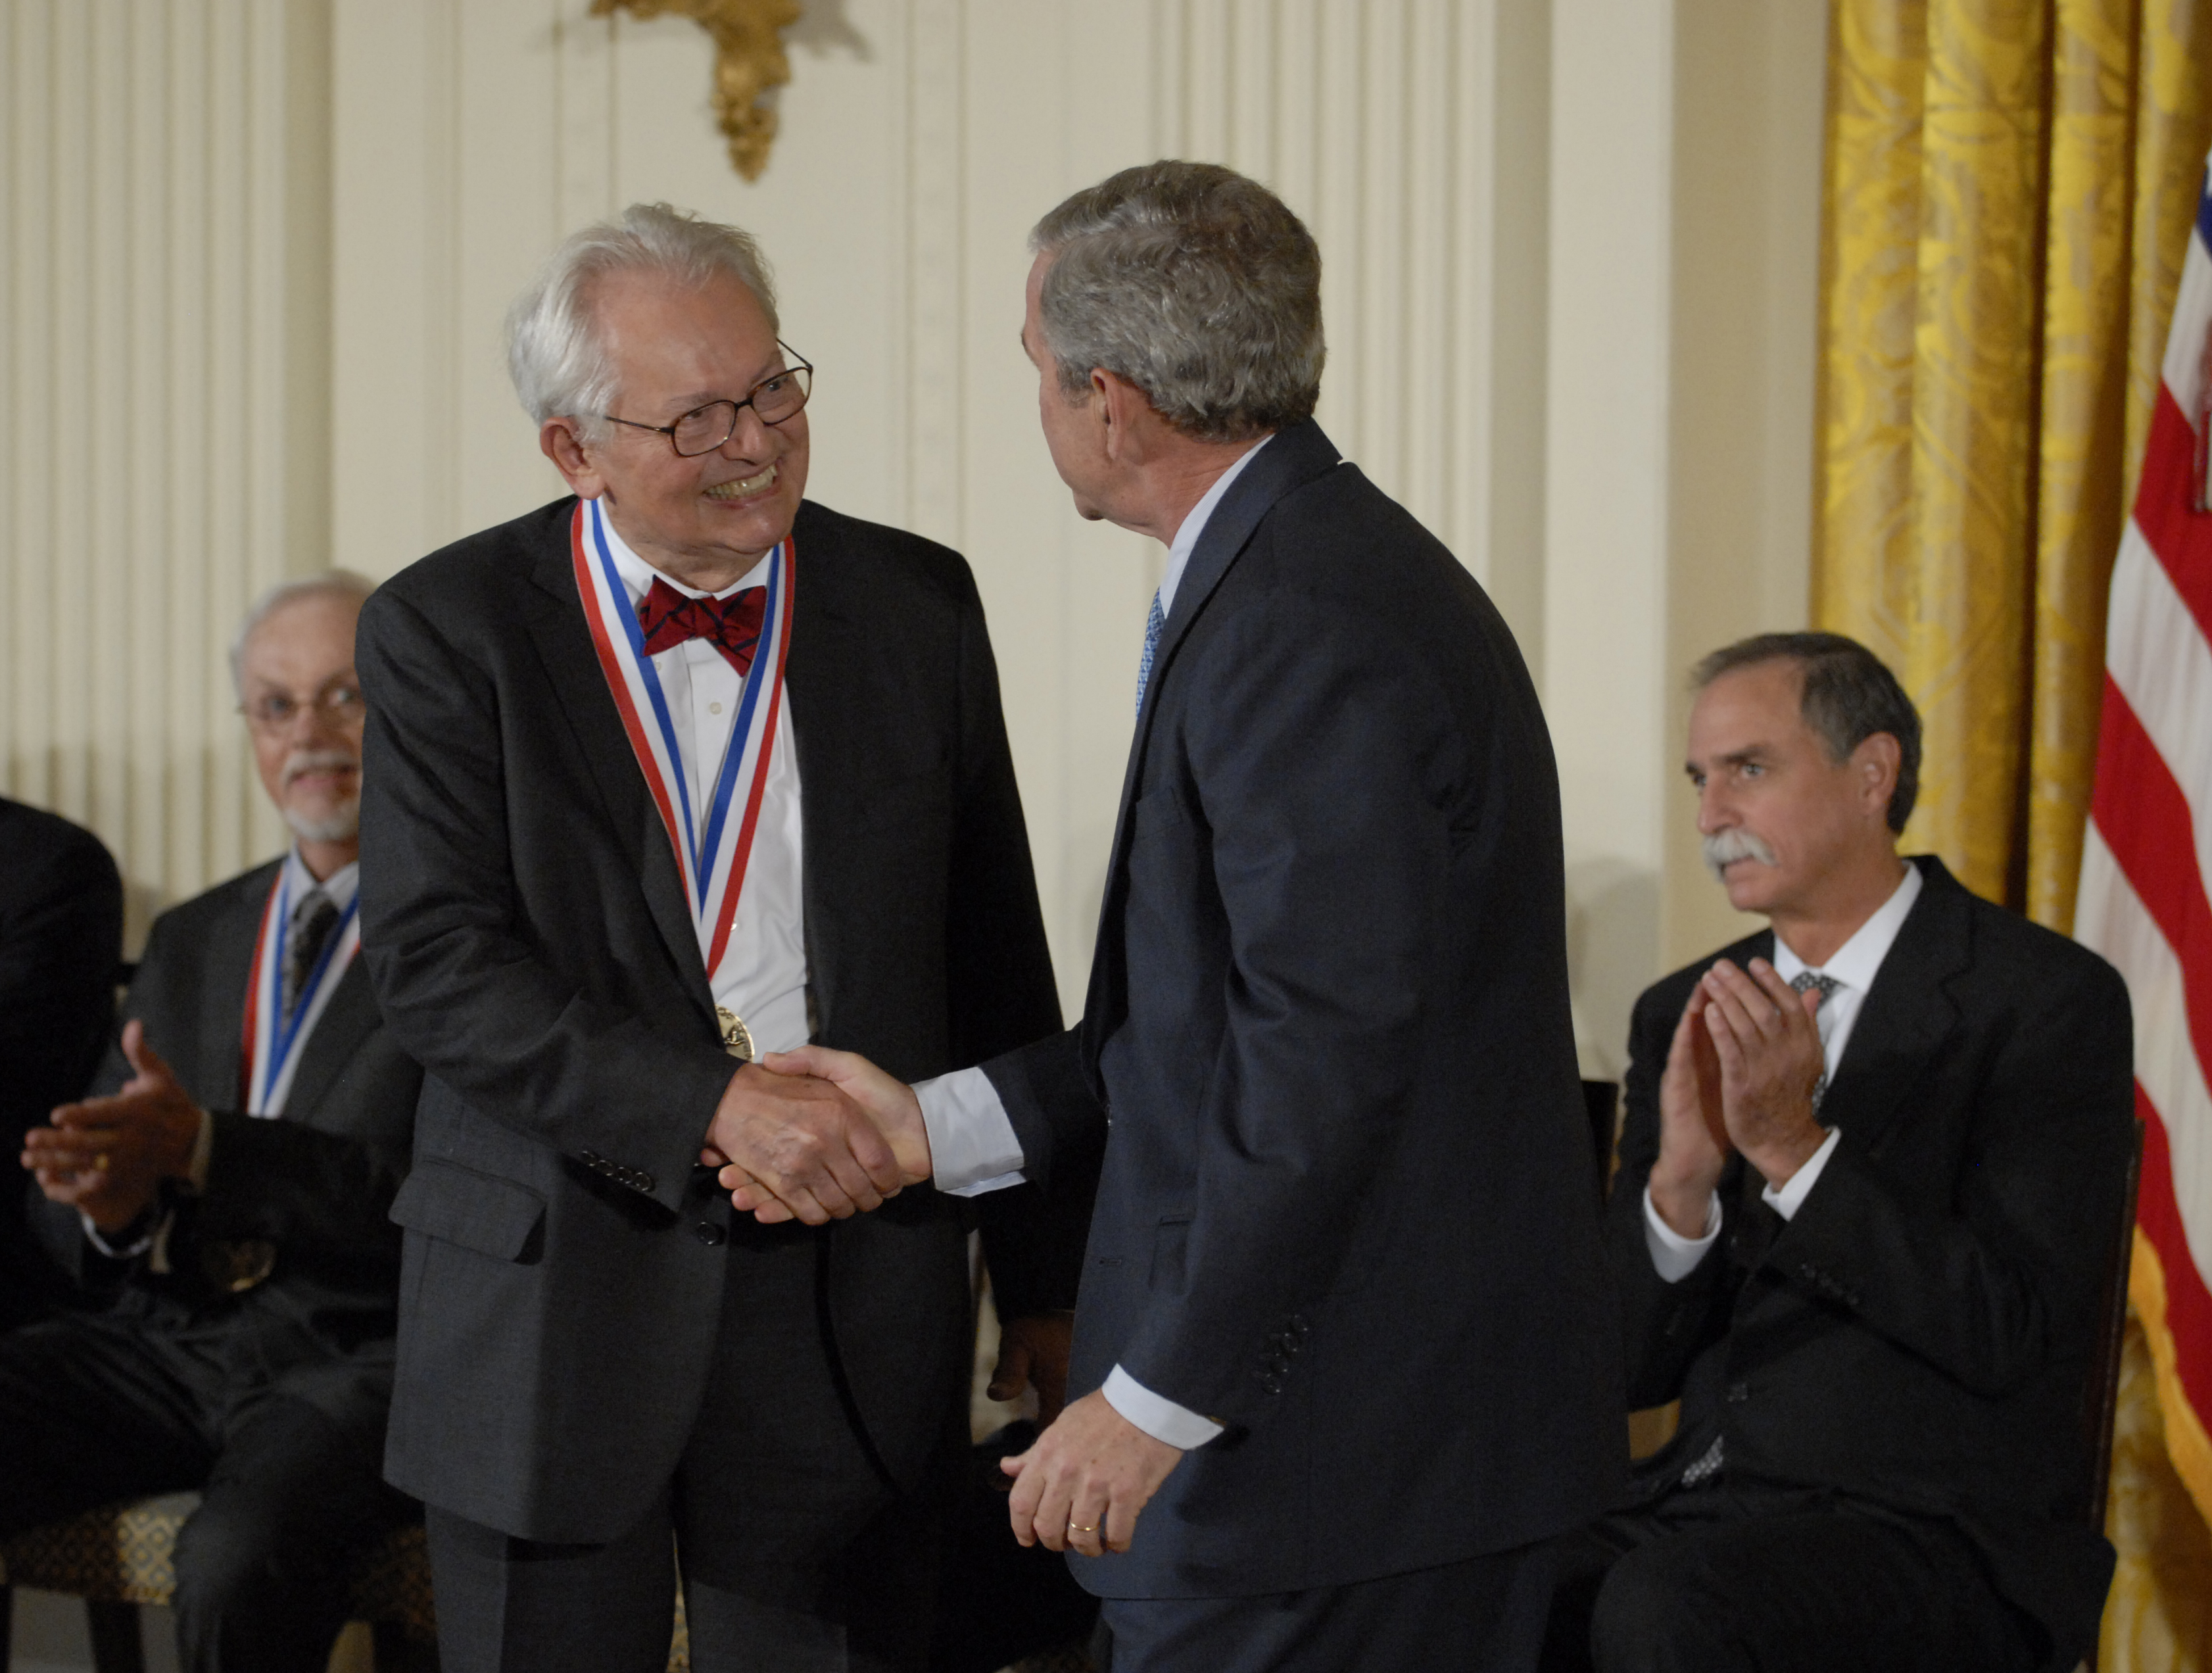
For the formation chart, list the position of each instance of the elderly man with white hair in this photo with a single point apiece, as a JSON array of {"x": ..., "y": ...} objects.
[
  {"x": 223, "y": 1199},
  {"x": 675, "y": 772}
]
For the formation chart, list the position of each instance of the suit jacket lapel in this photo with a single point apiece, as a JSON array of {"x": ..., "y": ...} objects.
[
  {"x": 1907, "y": 1014},
  {"x": 564, "y": 644},
  {"x": 348, "y": 1020},
  {"x": 1295, "y": 457},
  {"x": 829, "y": 682},
  {"x": 229, "y": 966}
]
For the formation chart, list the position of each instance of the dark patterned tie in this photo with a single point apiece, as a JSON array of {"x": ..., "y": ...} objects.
[
  {"x": 1708, "y": 1464},
  {"x": 1805, "y": 981},
  {"x": 312, "y": 919},
  {"x": 730, "y": 625}
]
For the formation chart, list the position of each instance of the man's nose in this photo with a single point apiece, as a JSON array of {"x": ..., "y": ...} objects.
[
  {"x": 1714, "y": 814},
  {"x": 748, "y": 437}
]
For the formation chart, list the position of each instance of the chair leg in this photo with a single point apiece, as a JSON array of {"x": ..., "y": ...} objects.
[
  {"x": 7, "y": 1627},
  {"x": 116, "y": 1646}
]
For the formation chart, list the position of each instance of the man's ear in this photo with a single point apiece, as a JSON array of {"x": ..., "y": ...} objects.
[
  {"x": 1874, "y": 765},
  {"x": 558, "y": 441},
  {"x": 1124, "y": 410}
]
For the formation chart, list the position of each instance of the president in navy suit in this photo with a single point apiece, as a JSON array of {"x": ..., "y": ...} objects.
[{"x": 1345, "y": 1360}]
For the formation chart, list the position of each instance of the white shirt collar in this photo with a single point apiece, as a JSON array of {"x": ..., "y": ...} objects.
[
  {"x": 638, "y": 576},
  {"x": 340, "y": 885},
  {"x": 1856, "y": 962},
  {"x": 1194, "y": 525}
]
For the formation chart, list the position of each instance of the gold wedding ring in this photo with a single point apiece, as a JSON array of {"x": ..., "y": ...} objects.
[{"x": 1074, "y": 1527}]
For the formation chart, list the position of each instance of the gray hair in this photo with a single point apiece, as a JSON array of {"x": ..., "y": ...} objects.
[
  {"x": 331, "y": 583},
  {"x": 1195, "y": 284},
  {"x": 1848, "y": 696},
  {"x": 554, "y": 350}
]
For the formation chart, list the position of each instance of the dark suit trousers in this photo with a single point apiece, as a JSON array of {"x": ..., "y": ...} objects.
[
  {"x": 797, "y": 1555},
  {"x": 1726, "y": 1580},
  {"x": 94, "y": 1410},
  {"x": 1484, "y": 1614}
]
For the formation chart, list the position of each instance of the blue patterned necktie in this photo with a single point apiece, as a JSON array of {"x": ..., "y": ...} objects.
[{"x": 1154, "y": 623}]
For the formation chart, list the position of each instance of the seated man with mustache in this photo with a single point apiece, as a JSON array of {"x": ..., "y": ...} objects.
[
  {"x": 1870, "y": 1173},
  {"x": 222, "y": 1200}
]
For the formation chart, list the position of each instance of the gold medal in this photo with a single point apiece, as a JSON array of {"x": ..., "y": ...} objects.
[{"x": 737, "y": 1038}]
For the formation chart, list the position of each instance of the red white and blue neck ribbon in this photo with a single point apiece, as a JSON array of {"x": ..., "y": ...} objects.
[
  {"x": 273, "y": 1042},
  {"x": 714, "y": 844}
]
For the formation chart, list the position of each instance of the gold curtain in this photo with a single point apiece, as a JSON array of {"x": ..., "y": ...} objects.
[{"x": 2008, "y": 189}]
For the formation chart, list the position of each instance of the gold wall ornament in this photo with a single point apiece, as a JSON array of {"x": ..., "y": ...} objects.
[{"x": 748, "y": 61}]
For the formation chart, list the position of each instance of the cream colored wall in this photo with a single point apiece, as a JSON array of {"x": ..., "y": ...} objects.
[
  {"x": 164, "y": 403},
  {"x": 1584, "y": 363}
]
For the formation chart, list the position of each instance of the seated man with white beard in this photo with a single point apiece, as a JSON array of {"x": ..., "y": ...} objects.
[
  {"x": 1872, "y": 1164},
  {"x": 223, "y": 1197}
]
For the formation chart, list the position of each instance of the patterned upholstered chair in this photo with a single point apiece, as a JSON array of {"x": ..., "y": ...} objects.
[{"x": 119, "y": 1557}]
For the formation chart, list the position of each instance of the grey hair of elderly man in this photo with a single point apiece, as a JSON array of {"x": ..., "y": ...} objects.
[
  {"x": 1195, "y": 284},
  {"x": 556, "y": 349}
]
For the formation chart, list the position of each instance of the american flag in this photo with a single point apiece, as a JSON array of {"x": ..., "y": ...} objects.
[{"x": 2147, "y": 863}]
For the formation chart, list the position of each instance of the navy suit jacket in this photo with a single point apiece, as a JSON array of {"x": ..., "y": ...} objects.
[{"x": 1346, "y": 1205}]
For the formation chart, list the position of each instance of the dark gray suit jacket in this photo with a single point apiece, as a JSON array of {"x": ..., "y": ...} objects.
[
  {"x": 1346, "y": 1206},
  {"x": 526, "y": 927},
  {"x": 314, "y": 1187},
  {"x": 1919, "y": 1335}
]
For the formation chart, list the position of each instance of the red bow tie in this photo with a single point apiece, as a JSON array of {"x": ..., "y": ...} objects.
[{"x": 730, "y": 625}]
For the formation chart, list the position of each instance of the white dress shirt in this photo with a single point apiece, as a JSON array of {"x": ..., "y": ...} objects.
[
  {"x": 972, "y": 1147},
  {"x": 1852, "y": 970},
  {"x": 764, "y": 974},
  {"x": 341, "y": 886}
]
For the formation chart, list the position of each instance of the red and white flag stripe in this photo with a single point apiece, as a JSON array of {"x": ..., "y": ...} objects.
[{"x": 2146, "y": 896}]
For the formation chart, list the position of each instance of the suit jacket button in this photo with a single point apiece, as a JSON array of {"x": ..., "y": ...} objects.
[
  {"x": 710, "y": 1234},
  {"x": 1270, "y": 1382},
  {"x": 1738, "y": 1393},
  {"x": 644, "y": 1182}
]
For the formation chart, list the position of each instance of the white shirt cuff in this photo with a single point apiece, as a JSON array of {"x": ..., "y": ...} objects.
[
  {"x": 129, "y": 1251},
  {"x": 1675, "y": 1257},
  {"x": 1158, "y": 1417},
  {"x": 972, "y": 1147},
  {"x": 1791, "y": 1197}
]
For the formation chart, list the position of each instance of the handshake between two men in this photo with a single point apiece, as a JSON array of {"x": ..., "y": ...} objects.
[{"x": 816, "y": 1135}]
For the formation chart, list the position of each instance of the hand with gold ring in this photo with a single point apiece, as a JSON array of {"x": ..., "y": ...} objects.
[
  {"x": 106, "y": 1156},
  {"x": 1081, "y": 1488}
]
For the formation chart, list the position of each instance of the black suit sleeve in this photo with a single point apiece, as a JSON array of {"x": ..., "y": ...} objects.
[
  {"x": 61, "y": 939},
  {"x": 321, "y": 1196},
  {"x": 1034, "y": 1234},
  {"x": 1988, "y": 1289},
  {"x": 459, "y": 981}
]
